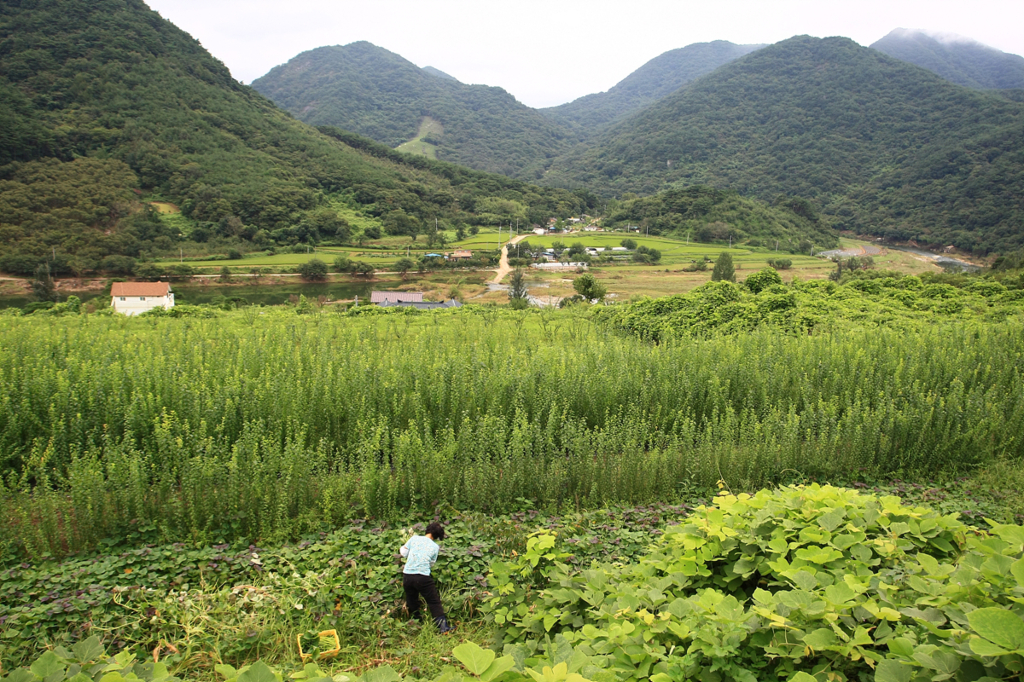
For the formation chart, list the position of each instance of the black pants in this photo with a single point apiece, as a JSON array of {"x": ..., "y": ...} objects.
[{"x": 416, "y": 585}]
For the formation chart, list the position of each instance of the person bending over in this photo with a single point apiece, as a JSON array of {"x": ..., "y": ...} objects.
[{"x": 421, "y": 553}]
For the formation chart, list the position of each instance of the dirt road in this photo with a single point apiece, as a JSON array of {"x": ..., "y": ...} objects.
[{"x": 503, "y": 267}]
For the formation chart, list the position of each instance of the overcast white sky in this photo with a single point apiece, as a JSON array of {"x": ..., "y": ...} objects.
[{"x": 546, "y": 52}]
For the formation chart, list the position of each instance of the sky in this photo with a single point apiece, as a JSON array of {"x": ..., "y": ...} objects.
[{"x": 547, "y": 52}]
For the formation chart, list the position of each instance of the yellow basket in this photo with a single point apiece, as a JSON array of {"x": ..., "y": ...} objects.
[{"x": 324, "y": 655}]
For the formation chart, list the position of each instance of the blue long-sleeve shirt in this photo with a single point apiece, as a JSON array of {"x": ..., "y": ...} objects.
[{"x": 421, "y": 553}]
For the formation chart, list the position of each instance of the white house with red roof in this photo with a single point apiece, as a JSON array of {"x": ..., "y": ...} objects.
[{"x": 133, "y": 298}]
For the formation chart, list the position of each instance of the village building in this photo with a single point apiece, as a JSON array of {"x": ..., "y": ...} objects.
[
  {"x": 134, "y": 298},
  {"x": 460, "y": 254},
  {"x": 539, "y": 231},
  {"x": 391, "y": 297},
  {"x": 559, "y": 266},
  {"x": 423, "y": 305}
]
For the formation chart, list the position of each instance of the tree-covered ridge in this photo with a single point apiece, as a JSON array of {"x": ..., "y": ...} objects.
[
  {"x": 376, "y": 93},
  {"x": 959, "y": 60},
  {"x": 154, "y": 114},
  {"x": 657, "y": 78},
  {"x": 882, "y": 146},
  {"x": 706, "y": 214}
]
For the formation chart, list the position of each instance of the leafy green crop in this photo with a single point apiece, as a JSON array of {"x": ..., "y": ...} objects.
[{"x": 817, "y": 580}]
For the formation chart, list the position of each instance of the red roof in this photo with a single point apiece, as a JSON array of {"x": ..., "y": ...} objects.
[
  {"x": 140, "y": 289},
  {"x": 396, "y": 296}
]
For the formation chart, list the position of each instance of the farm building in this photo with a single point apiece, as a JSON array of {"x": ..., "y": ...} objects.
[
  {"x": 133, "y": 298},
  {"x": 391, "y": 297},
  {"x": 460, "y": 254},
  {"x": 423, "y": 305},
  {"x": 559, "y": 266}
]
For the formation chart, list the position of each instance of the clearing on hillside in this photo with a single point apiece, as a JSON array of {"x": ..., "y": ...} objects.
[{"x": 423, "y": 144}]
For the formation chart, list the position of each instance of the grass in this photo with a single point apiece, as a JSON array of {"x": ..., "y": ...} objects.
[{"x": 417, "y": 145}]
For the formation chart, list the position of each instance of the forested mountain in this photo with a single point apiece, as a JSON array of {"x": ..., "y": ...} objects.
[
  {"x": 657, "y": 78},
  {"x": 104, "y": 104},
  {"x": 368, "y": 90},
  {"x": 708, "y": 215},
  {"x": 960, "y": 60},
  {"x": 882, "y": 146}
]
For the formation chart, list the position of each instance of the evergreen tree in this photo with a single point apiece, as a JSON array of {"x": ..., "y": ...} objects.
[
  {"x": 724, "y": 270},
  {"x": 517, "y": 296},
  {"x": 43, "y": 288}
]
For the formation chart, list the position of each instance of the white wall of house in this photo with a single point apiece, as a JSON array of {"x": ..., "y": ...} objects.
[{"x": 135, "y": 305}]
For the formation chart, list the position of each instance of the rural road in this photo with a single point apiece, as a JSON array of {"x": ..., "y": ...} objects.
[{"x": 503, "y": 267}]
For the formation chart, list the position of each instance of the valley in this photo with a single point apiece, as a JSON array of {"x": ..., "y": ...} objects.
[{"x": 690, "y": 372}]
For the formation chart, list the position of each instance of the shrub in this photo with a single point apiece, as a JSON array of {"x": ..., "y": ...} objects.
[
  {"x": 313, "y": 270},
  {"x": 780, "y": 263},
  {"x": 762, "y": 279}
]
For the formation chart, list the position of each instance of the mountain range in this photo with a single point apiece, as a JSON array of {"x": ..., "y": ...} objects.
[
  {"x": 883, "y": 147},
  {"x": 105, "y": 106},
  {"x": 958, "y": 59}
]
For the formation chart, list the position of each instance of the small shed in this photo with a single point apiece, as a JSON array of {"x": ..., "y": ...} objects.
[{"x": 133, "y": 298}]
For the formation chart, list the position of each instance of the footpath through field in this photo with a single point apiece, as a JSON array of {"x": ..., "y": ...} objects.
[{"x": 503, "y": 267}]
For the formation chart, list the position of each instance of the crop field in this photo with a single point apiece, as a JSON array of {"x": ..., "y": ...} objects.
[{"x": 198, "y": 491}]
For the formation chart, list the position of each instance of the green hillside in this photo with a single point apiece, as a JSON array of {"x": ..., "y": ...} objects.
[
  {"x": 704, "y": 214},
  {"x": 657, "y": 78},
  {"x": 958, "y": 60},
  {"x": 376, "y": 93},
  {"x": 881, "y": 146},
  {"x": 106, "y": 105}
]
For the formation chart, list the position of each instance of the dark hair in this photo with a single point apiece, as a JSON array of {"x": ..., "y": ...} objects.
[{"x": 436, "y": 531}]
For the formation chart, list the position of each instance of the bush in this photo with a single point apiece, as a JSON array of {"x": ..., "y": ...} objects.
[
  {"x": 780, "y": 263},
  {"x": 762, "y": 279},
  {"x": 313, "y": 270}
]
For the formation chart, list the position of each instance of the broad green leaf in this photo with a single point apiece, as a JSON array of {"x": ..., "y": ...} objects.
[
  {"x": 983, "y": 647},
  {"x": 500, "y": 665},
  {"x": 46, "y": 665},
  {"x": 1017, "y": 569},
  {"x": 258, "y": 672},
  {"x": 832, "y": 520},
  {"x": 112, "y": 677},
  {"x": 901, "y": 646},
  {"x": 802, "y": 677},
  {"x": 820, "y": 638},
  {"x": 476, "y": 659},
  {"x": 889, "y": 670},
  {"x": 228, "y": 671},
  {"x": 942, "y": 662},
  {"x": 1011, "y": 534},
  {"x": 384, "y": 673},
  {"x": 839, "y": 593},
  {"x": 159, "y": 672},
  {"x": 803, "y": 579},
  {"x": 88, "y": 650},
  {"x": 1000, "y": 626},
  {"x": 21, "y": 675},
  {"x": 80, "y": 677}
]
